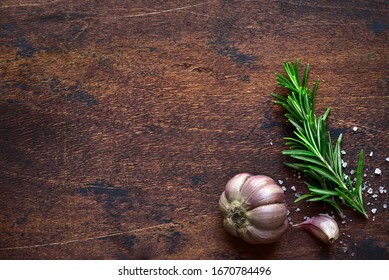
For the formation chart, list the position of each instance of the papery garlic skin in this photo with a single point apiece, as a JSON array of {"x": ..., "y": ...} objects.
[
  {"x": 323, "y": 227},
  {"x": 254, "y": 208}
]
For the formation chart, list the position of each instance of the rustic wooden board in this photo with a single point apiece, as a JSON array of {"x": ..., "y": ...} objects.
[{"x": 122, "y": 121}]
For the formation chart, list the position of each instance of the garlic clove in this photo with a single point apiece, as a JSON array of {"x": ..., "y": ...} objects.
[
  {"x": 223, "y": 204},
  {"x": 268, "y": 216},
  {"x": 254, "y": 235},
  {"x": 234, "y": 185},
  {"x": 230, "y": 227},
  {"x": 261, "y": 190},
  {"x": 323, "y": 227}
]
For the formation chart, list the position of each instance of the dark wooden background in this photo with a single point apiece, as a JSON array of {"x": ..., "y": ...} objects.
[{"x": 122, "y": 121}]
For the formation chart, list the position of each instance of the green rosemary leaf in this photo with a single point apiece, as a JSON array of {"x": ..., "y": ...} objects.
[
  {"x": 358, "y": 177},
  {"x": 305, "y": 79},
  {"x": 309, "y": 159},
  {"x": 330, "y": 150},
  {"x": 322, "y": 135},
  {"x": 304, "y": 196},
  {"x": 312, "y": 147},
  {"x": 296, "y": 141},
  {"x": 323, "y": 192},
  {"x": 319, "y": 198},
  {"x": 313, "y": 174},
  {"x": 337, "y": 157},
  {"x": 298, "y": 166},
  {"x": 280, "y": 97},
  {"x": 325, "y": 116},
  {"x": 314, "y": 92},
  {"x": 294, "y": 122},
  {"x": 335, "y": 205},
  {"x": 298, "y": 153}
]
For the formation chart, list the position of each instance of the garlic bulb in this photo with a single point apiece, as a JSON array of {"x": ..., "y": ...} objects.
[
  {"x": 323, "y": 227},
  {"x": 254, "y": 208}
]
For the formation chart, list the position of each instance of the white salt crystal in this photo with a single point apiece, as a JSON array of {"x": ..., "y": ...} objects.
[
  {"x": 374, "y": 196},
  {"x": 298, "y": 210},
  {"x": 343, "y": 222},
  {"x": 344, "y": 164},
  {"x": 381, "y": 190},
  {"x": 283, "y": 188},
  {"x": 385, "y": 206},
  {"x": 287, "y": 212},
  {"x": 371, "y": 154},
  {"x": 377, "y": 171},
  {"x": 343, "y": 152},
  {"x": 387, "y": 159},
  {"x": 293, "y": 188},
  {"x": 370, "y": 191},
  {"x": 374, "y": 210},
  {"x": 355, "y": 128},
  {"x": 280, "y": 182}
]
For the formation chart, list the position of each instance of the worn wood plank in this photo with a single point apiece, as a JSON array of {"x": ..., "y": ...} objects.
[{"x": 122, "y": 121}]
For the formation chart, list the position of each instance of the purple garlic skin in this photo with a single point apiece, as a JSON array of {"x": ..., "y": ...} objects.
[
  {"x": 254, "y": 208},
  {"x": 323, "y": 227}
]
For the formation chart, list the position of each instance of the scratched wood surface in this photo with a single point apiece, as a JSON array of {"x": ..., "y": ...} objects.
[{"x": 122, "y": 121}]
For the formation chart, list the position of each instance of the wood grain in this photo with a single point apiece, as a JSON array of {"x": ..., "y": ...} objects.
[{"x": 122, "y": 121}]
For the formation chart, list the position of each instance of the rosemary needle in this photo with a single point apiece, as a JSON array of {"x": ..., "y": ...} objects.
[{"x": 311, "y": 146}]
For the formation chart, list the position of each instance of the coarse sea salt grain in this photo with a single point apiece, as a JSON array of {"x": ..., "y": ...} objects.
[
  {"x": 385, "y": 206},
  {"x": 377, "y": 171},
  {"x": 355, "y": 128},
  {"x": 381, "y": 190},
  {"x": 374, "y": 210},
  {"x": 343, "y": 152},
  {"x": 283, "y": 188},
  {"x": 371, "y": 154},
  {"x": 280, "y": 182},
  {"x": 298, "y": 210},
  {"x": 293, "y": 188},
  {"x": 369, "y": 190},
  {"x": 387, "y": 159}
]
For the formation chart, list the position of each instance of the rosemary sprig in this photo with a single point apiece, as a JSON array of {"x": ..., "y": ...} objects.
[{"x": 312, "y": 147}]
